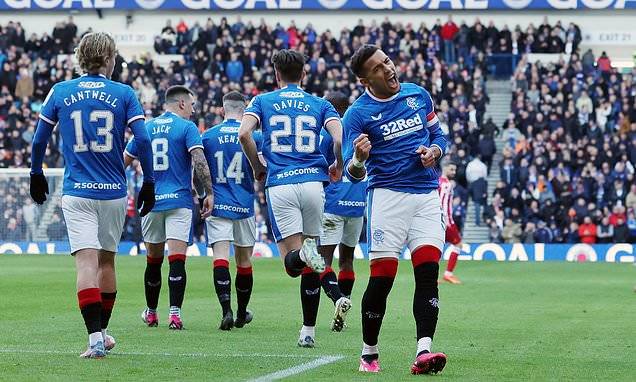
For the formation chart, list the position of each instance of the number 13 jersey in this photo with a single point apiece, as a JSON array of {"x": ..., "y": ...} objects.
[
  {"x": 291, "y": 120},
  {"x": 91, "y": 113}
]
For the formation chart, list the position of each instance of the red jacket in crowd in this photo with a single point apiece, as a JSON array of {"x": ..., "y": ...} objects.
[
  {"x": 587, "y": 233},
  {"x": 449, "y": 30}
]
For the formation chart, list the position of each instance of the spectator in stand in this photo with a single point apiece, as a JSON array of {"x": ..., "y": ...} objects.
[
  {"x": 621, "y": 231},
  {"x": 605, "y": 231},
  {"x": 448, "y": 33},
  {"x": 512, "y": 232},
  {"x": 604, "y": 64},
  {"x": 587, "y": 231}
]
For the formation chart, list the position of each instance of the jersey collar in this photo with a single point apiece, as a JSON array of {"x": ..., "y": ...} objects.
[
  {"x": 93, "y": 75},
  {"x": 231, "y": 120},
  {"x": 382, "y": 99},
  {"x": 290, "y": 86}
]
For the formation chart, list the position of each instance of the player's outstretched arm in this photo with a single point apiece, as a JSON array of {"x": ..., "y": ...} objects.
[
  {"x": 204, "y": 179},
  {"x": 39, "y": 186},
  {"x": 334, "y": 127},
  {"x": 249, "y": 123}
]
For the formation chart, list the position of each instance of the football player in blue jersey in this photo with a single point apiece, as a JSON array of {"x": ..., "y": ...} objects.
[
  {"x": 232, "y": 218},
  {"x": 92, "y": 113},
  {"x": 291, "y": 120},
  {"x": 341, "y": 226},
  {"x": 392, "y": 134},
  {"x": 176, "y": 147}
]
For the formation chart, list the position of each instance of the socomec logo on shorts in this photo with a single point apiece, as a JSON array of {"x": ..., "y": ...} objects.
[
  {"x": 298, "y": 171},
  {"x": 351, "y": 203},
  {"x": 97, "y": 186}
]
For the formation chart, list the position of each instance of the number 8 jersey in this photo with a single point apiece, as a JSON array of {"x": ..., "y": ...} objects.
[
  {"x": 172, "y": 138},
  {"x": 291, "y": 120},
  {"x": 92, "y": 113}
]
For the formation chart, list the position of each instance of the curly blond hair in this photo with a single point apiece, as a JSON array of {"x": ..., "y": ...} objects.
[{"x": 93, "y": 50}]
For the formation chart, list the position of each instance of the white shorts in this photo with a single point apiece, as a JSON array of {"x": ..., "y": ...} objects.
[
  {"x": 93, "y": 223},
  {"x": 296, "y": 208},
  {"x": 241, "y": 231},
  {"x": 398, "y": 218},
  {"x": 176, "y": 224},
  {"x": 338, "y": 229}
]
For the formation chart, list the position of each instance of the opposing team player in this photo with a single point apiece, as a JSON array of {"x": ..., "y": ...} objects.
[
  {"x": 453, "y": 237},
  {"x": 291, "y": 120},
  {"x": 393, "y": 135},
  {"x": 341, "y": 226},
  {"x": 92, "y": 113},
  {"x": 176, "y": 147},
  {"x": 232, "y": 218}
]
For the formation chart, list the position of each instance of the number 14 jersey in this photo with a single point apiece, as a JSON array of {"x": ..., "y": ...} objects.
[
  {"x": 291, "y": 120},
  {"x": 232, "y": 175}
]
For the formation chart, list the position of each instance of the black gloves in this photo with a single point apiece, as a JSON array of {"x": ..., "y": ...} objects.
[
  {"x": 39, "y": 188},
  {"x": 146, "y": 198}
]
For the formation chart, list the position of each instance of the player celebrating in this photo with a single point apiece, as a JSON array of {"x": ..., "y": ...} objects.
[
  {"x": 453, "y": 236},
  {"x": 394, "y": 127},
  {"x": 232, "y": 218},
  {"x": 291, "y": 120},
  {"x": 176, "y": 146},
  {"x": 341, "y": 225},
  {"x": 92, "y": 113}
]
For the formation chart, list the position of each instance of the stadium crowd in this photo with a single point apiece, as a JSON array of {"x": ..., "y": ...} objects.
[
  {"x": 567, "y": 173},
  {"x": 554, "y": 108}
]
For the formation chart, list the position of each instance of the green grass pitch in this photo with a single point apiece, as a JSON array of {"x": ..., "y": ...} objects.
[{"x": 509, "y": 321}]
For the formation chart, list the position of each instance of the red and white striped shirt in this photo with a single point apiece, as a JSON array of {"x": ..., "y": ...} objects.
[{"x": 446, "y": 195}]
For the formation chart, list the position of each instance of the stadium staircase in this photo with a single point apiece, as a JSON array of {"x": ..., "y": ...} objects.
[{"x": 498, "y": 108}]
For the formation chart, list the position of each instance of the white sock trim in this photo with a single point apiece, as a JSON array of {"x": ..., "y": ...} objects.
[
  {"x": 368, "y": 349},
  {"x": 448, "y": 273},
  {"x": 308, "y": 331},
  {"x": 94, "y": 338},
  {"x": 424, "y": 343}
]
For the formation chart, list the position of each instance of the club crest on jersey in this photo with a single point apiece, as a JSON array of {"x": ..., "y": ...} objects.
[
  {"x": 412, "y": 103},
  {"x": 378, "y": 236}
]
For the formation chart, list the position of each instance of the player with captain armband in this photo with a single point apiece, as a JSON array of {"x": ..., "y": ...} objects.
[{"x": 392, "y": 135}]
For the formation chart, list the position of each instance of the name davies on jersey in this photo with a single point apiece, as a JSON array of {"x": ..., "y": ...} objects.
[
  {"x": 291, "y": 104},
  {"x": 91, "y": 94},
  {"x": 401, "y": 127}
]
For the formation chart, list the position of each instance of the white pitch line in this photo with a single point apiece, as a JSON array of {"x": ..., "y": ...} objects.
[
  {"x": 303, "y": 367},
  {"x": 162, "y": 354}
]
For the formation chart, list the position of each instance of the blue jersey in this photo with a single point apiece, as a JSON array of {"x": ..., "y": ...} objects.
[
  {"x": 291, "y": 120},
  {"x": 396, "y": 127},
  {"x": 342, "y": 198},
  {"x": 172, "y": 139},
  {"x": 92, "y": 113},
  {"x": 232, "y": 175}
]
